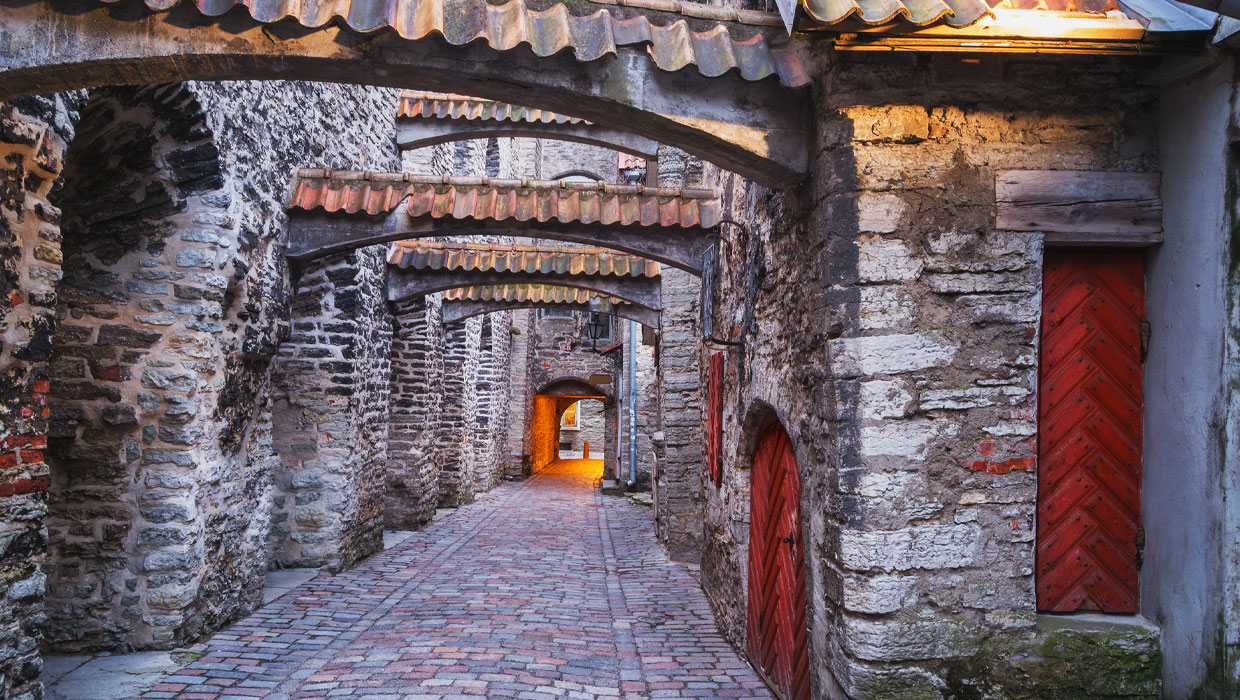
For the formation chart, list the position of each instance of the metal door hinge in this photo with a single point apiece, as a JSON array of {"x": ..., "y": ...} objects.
[
  {"x": 1145, "y": 339},
  {"x": 1140, "y": 547}
]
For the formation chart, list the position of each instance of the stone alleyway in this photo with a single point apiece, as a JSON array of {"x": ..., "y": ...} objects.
[{"x": 540, "y": 589}]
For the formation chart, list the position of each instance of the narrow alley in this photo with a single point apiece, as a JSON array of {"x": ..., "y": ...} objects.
[{"x": 539, "y": 589}]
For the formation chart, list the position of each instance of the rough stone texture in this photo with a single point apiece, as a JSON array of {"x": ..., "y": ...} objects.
[
  {"x": 680, "y": 453},
  {"x": 492, "y": 401},
  {"x": 330, "y": 423},
  {"x": 902, "y": 360},
  {"x": 681, "y": 456},
  {"x": 457, "y": 443},
  {"x": 414, "y": 410},
  {"x": 33, "y": 137},
  {"x": 174, "y": 300}
]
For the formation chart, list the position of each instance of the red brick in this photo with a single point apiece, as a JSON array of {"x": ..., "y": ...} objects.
[{"x": 32, "y": 456}]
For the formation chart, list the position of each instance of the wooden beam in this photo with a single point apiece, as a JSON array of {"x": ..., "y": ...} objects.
[
  {"x": 407, "y": 283},
  {"x": 316, "y": 233},
  {"x": 1080, "y": 207},
  {"x": 420, "y": 132},
  {"x": 457, "y": 311},
  {"x": 757, "y": 129}
]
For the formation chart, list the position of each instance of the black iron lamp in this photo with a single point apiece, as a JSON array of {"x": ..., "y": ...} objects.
[{"x": 597, "y": 326}]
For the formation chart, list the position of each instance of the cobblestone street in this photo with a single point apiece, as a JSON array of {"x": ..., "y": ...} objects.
[{"x": 540, "y": 589}]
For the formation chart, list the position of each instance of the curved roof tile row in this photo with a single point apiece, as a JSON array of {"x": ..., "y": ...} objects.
[
  {"x": 531, "y": 293},
  {"x": 676, "y": 34},
  {"x": 440, "y": 196},
  {"x": 956, "y": 13},
  {"x": 439, "y": 105},
  {"x": 427, "y": 255}
]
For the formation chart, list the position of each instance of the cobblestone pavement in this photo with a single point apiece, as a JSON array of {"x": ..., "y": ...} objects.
[{"x": 540, "y": 589}]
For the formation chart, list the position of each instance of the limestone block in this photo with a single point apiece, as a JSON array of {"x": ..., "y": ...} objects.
[
  {"x": 888, "y": 354},
  {"x": 884, "y": 307},
  {"x": 876, "y": 594},
  {"x": 879, "y": 212},
  {"x": 906, "y": 439},
  {"x": 904, "y": 639},
  {"x": 975, "y": 282},
  {"x": 886, "y": 260},
  {"x": 918, "y": 547},
  {"x": 881, "y": 398}
]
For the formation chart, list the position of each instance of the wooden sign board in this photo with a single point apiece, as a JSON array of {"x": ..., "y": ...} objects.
[{"x": 1080, "y": 207}]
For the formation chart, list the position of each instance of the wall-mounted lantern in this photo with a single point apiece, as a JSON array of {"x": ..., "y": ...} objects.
[{"x": 599, "y": 326}]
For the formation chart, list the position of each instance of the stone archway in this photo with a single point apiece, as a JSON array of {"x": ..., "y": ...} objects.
[
  {"x": 743, "y": 120},
  {"x": 549, "y": 403}
]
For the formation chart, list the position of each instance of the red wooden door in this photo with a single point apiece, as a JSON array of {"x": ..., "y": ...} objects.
[
  {"x": 714, "y": 419},
  {"x": 1089, "y": 430},
  {"x": 778, "y": 643}
]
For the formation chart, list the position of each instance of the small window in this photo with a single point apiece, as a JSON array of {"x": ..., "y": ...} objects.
[
  {"x": 569, "y": 420},
  {"x": 555, "y": 314}
]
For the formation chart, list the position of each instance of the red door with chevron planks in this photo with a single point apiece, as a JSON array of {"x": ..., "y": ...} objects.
[
  {"x": 777, "y": 637},
  {"x": 1089, "y": 430}
]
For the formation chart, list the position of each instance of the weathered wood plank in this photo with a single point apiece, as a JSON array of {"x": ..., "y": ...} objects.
[{"x": 1082, "y": 207}]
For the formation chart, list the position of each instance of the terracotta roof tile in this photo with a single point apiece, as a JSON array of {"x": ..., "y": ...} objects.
[
  {"x": 675, "y": 34},
  {"x": 562, "y": 260},
  {"x": 534, "y": 293},
  {"x": 438, "y": 105},
  {"x": 440, "y": 196}
]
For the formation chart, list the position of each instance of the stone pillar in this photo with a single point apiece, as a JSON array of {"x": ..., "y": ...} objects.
[
  {"x": 457, "y": 439},
  {"x": 520, "y": 396},
  {"x": 415, "y": 406},
  {"x": 678, "y": 514},
  {"x": 330, "y": 431},
  {"x": 33, "y": 136}
]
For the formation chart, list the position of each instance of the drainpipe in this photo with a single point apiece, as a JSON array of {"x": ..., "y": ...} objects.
[
  {"x": 619, "y": 420},
  {"x": 632, "y": 403}
]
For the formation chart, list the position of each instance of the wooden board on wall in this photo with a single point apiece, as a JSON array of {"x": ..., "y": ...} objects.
[{"x": 1080, "y": 207}]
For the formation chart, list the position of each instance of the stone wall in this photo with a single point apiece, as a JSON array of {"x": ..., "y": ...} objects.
[
  {"x": 901, "y": 359},
  {"x": 174, "y": 298},
  {"x": 520, "y": 410},
  {"x": 678, "y": 513},
  {"x": 561, "y": 349},
  {"x": 590, "y": 430},
  {"x": 330, "y": 422},
  {"x": 174, "y": 301},
  {"x": 33, "y": 136},
  {"x": 493, "y": 407},
  {"x": 414, "y": 410},
  {"x": 457, "y": 439}
]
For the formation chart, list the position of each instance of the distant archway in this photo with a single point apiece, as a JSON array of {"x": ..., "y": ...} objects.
[{"x": 550, "y": 402}]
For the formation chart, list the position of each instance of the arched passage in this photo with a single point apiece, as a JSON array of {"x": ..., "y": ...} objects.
[
  {"x": 742, "y": 121},
  {"x": 550, "y": 402}
]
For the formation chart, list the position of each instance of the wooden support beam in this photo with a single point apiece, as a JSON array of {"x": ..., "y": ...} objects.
[
  {"x": 420, "y": 132},
  {"x": 757, "y": 129},
  {"x": 457, "y": 311},
  {"x": 403, "y": 283},
  {"x": 1081, "y": 208},
  {"x": 316, "y": 233}
]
